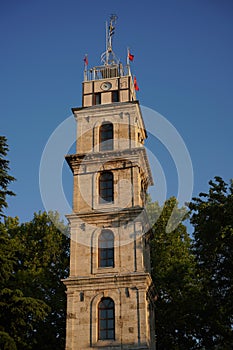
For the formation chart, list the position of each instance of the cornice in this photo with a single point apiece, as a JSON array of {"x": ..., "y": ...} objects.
[
  {"x": 105, "y": 215},
  {"x": 110, "y": 280},
  {"x": 104, "y": 106},
  {"x": 134, "y": 154}
]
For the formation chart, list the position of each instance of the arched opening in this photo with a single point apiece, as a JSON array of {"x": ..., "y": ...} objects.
[
  {"x": 106, "y": 319},
  {"x": 106, "y": 136},
  {"x": 106, "y": 193},
  {"x": 106, "y": 249}
]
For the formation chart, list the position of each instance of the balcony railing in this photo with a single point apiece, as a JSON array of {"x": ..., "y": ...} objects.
[{"x": 106, "y": 72}]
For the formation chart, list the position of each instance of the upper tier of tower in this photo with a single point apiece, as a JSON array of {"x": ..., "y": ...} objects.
[{"x": 110, "y": 82}]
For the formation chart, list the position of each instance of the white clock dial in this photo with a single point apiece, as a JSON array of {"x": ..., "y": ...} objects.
[{"x": 106, "y": 86}]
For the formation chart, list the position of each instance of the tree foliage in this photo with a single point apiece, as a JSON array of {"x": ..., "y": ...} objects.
[
  {"x": 194, "y": 276},
  {"x": 212, "y": 219},
  {"x": 5, "y": 178},
  {"x": 34, "y": 258},
  {"x": 173, "y": 271}
]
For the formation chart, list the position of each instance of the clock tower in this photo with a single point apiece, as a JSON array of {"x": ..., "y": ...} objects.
[{"x": 110, "y": 294}]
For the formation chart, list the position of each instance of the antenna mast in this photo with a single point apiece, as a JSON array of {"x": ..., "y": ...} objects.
[{"x": 108, "y": 57}]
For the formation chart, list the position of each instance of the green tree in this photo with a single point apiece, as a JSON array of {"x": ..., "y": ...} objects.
[
  {"x": 18, "y": 312},
  {"x": 212, "y": 218},
  {"x": 5, "y": 178},
  {"x": 173, "y": 272},
  {"x": 33, "y": 300}
]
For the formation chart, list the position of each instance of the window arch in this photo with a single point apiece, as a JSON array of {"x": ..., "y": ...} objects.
[
  {"x": 106, "y": 136},
  {"x": 106, "y": 249},
  {"x": 106, "y": 319},
  {"x": 106, "y": 187}
]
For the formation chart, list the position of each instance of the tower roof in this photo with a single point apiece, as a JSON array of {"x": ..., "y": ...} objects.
[{"x": 110, "y": 66}]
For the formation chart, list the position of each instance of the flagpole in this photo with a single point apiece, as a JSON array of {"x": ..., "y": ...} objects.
[
  {"x": 85, "y": 67},
  {"x": 128, "y": 64},
  {"x": 128, "y": 56}
]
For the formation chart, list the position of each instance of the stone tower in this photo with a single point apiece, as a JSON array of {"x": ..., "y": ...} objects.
[{"x": 110, "y": 293}]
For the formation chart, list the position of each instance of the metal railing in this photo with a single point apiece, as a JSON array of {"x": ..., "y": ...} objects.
[{"x": 106, "y": 72}]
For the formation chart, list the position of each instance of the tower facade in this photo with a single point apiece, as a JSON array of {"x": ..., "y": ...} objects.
[{"x": 110, "y": 293}]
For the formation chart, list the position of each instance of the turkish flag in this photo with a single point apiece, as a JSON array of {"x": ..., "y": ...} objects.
[
  {"x": 131, "y": 57},
  {"x": 85, "y": 60},
  {"x": 135, "y": 84}
]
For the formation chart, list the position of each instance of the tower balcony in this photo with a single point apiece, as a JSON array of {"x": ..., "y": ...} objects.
[{"x": 107, "y": 71}]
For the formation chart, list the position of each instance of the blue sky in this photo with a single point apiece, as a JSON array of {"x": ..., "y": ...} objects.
[{"x": 183, "y": 63}]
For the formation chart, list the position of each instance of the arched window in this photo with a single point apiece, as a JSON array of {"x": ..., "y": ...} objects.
[
  {"x": 106, "y": 187},
  {"x": 106, "y": 137},
  {"x": 106, "y": 319},
  {"x": 106, "y": 249}
]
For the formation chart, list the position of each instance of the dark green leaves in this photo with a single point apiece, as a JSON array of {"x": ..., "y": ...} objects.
[
  {"x": 5, "y": 178},
  {"x": 212, "y": 218},
  {"x": 173, "y": 274},
  {"x": 34, "y": 258}
]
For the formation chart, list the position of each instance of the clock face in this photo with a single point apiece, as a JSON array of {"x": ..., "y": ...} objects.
[{"x": 106, "y": 86}]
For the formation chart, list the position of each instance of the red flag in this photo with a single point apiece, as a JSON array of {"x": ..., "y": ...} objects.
[
  {"x": 135, "y": 84},
  {"x": 85, "y": 60},
  {"x": 131, "y": 57}
]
